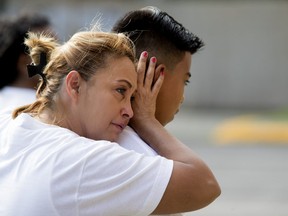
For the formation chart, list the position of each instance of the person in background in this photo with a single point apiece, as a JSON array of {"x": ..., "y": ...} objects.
[
  {"x": 162, "y": 36},
  {"x": 59, "y": 155},
  {"x": 16, "y": 88}
]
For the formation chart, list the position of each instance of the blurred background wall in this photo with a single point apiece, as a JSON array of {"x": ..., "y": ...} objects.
[{"x": 244, "y": 64}]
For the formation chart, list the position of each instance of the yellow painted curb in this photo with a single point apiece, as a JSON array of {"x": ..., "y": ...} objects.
[{"x": 251, "y": 128}]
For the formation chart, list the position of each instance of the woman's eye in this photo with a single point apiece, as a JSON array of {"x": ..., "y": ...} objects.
[
  {"x": 121, "y": 90},
  {"x": 187, "y": 82}
]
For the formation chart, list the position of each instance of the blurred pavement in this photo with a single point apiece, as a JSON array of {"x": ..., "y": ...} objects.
[{"x": 253, "y": 175}]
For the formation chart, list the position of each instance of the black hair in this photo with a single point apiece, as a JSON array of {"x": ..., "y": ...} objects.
[
  {"x": 12, "y": 34},
  {"x": 158, "y": 33}
]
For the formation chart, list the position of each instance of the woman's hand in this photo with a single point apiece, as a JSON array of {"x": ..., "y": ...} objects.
[
  {"x": 192, "y": 184},
  {"x": 144, "y": 104}
]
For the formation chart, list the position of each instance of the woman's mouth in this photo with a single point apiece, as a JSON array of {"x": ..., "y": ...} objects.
[{"x": 119, "y": 126}]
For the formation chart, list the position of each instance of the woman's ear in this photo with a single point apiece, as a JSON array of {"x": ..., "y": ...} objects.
[
  {"x": 72, "y": 81},
  {"x": 159, "y": 69}
]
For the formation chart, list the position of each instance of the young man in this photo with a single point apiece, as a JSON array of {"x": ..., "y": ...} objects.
[
  {"x": 162, "y": 36},
  {"x": 156, "y": 32}
]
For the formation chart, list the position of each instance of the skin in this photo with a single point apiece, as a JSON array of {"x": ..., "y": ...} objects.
[
  {"x": 171, "y": 94},
  {"x": 99, "y": 108}
]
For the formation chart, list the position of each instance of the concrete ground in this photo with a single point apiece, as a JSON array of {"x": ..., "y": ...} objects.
[{"x": 253, "y": 174}]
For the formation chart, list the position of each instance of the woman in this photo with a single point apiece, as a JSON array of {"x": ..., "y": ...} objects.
[{"x": 58, "y": 156}]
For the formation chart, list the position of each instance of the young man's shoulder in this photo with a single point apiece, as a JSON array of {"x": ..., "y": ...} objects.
[{"x": 130, "y": 140}]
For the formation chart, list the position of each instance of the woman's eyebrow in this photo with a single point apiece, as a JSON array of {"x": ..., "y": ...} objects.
[{"x": 127, "y": 82}]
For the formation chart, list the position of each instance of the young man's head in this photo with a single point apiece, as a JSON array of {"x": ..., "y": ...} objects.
[{"x": 162, "y": 36}]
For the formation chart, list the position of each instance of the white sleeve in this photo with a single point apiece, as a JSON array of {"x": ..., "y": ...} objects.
[
  {"x": 130, "y": 140},
  {"x": 121, "y": 182}
]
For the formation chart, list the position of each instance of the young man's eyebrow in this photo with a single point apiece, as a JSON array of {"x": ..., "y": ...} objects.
[{"x": 189, "y": 74}]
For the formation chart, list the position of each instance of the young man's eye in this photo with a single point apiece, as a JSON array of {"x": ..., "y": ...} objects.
[{"x": 187, "y": 82}]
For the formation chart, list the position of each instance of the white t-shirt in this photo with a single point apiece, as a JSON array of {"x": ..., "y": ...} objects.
[
  {"x": 13, "y": 97},
  {"x": 46, "y": 170},
  {"x": 129, "y": 139}
]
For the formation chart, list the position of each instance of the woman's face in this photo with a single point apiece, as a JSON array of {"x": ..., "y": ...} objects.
[{"x": 105, "y": 100}]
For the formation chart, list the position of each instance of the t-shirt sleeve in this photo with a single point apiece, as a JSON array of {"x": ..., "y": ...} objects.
[{"x": 115, "y": 181}]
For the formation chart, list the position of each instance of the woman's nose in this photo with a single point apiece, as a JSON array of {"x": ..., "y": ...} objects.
[{"x": 127, "y": 111}]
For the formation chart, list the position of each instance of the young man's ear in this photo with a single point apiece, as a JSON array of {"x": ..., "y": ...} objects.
[
  {"x": 73, "y": 80},
  {"x": 159, "y": 69}
]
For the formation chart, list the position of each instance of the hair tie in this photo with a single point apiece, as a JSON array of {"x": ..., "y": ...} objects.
[{"x": 38, "y": 69}]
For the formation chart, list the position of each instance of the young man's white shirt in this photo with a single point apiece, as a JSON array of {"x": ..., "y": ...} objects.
[
  {"x": 130, "y": 140},
  {"x": 48, "y": 170}
]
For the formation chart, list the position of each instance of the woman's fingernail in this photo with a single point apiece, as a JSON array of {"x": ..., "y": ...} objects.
[
  {"x": 162, "y": 72},
  {"x": 145, "y": 54},
  {"x": 153, "y": 59}
]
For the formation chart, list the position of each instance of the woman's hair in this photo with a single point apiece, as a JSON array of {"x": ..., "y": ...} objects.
[{"x": 86, "y": 52}]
